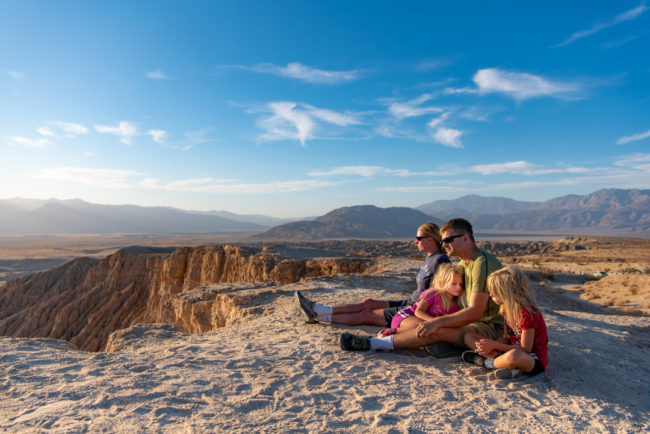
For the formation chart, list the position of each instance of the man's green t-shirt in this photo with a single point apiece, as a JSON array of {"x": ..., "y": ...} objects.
[{"x": 476, "y": 272}]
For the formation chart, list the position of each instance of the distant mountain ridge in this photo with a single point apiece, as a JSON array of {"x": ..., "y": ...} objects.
[
  {"x": 607, "y": 212},
  {"x": 362, "y": 221},
  {"x": 604, "y": 212},
  {"x": 27, "y": 216}
]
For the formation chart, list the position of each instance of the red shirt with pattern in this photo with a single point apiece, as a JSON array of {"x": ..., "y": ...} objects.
[{"x": 531, "y": 320}]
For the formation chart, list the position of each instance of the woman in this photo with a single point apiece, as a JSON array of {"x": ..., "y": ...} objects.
[{"x": 380, "y": 312}]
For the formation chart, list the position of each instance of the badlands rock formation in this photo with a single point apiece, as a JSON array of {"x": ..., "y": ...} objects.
[{"x": 85, "y": 300}]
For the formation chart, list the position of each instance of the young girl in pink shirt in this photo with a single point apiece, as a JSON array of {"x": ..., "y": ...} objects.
[{"x": 446, "y": 286}]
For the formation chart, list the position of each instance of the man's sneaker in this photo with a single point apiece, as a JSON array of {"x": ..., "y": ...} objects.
[
  {"x": 305, "y": 307},
  {"x": 509, "y": 374},
  {"x": 387, "y": 332},
  {"x": 473, "y": 358},
  {"x": 350, "y": 342}
]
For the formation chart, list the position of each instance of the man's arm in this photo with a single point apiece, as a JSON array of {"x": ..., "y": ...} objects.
[{"x": 477, "y": 304}]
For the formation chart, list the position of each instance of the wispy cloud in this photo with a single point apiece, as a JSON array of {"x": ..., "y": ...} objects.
[
  {"x": 307, "y": 74},
  {"x": 124, "y": 130},
  {"x": 412, "y": 108},
  {"x": 448, "y": 137},
  {"x": 26, "y": 142},
  {"x": 103, "y": 178},
  {"x": 638, "y": 161},
  {"x": 287, "y": 123},
  {"x": 520, "y": 85},
  {"x": 294, "y": 121},
  {"x": 57, "y": 129},
  {"x": 618, "y": 19},
  {"x": 228, "y": 186},
  {"x": 157, "y": 75},
  {"x": 522, "y": 168},
  {"x": 633, "y": 138},
  {"x": 158, "y": 136},
  {"x": 367, "y": 171}
]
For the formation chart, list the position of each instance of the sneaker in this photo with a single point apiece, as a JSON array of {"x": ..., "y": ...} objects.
[
  {"x": 473, "y": 358},
  {"x": 305, "y": 307},
  {"x": 350, "y": 342},
  {"x": 509, "y": 374},
  {"x": 387, "y": 332}
]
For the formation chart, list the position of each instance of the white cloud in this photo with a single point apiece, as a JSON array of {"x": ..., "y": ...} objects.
[
  {"x": 523, "y": 168},
  {"x": 157, "y": 75},
  {"x": 71, "y": 128},
  {"x": 125, "y": 130},
  {"x": 287, "y": 123},
  {"x": 365, "y": 171},
  {"x": 295, "y": 121},
  {"x": 308, "y": 74},
  {"x": 448, "y": 137},
  {"x": 228, "y": 186},
  {"x": 44, "y": 131},
  {"x": 103, "y": 178},
  {"x": 26, "y": 142},
  {"x": 633, "y": 138},
  {"x": 625, "y": 16},
  {"x": 67, "y": 129},
  {"x": 520, "y": 85},
  {"x": 639, "y": 161},
  {"x": 333, "y": 117},
  {"x": 158, "y": 135},
  {"x": 412, "y": 108}
]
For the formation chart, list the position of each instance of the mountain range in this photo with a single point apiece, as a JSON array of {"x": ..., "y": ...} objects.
[{"x": 605, "y": 212}]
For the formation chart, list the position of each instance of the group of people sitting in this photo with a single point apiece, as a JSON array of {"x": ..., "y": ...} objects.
[{"x": 476, "y": 305}]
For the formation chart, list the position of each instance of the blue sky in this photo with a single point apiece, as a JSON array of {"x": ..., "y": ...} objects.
[{"x": 294, "y": 108}]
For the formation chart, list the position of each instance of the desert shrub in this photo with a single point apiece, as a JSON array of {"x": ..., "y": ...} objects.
[
  {"x": 634, "y": 290},
  {"x": 630, "y": 270}
]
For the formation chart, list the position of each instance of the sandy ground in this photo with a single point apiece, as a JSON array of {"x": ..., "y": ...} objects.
[{"x": 274, "y": 373}]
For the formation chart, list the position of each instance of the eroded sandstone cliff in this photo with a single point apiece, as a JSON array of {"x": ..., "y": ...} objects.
[{"x": 84, "y": 300}]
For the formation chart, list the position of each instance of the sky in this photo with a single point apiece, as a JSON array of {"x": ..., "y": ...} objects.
[{"x": 295, "y": 108}]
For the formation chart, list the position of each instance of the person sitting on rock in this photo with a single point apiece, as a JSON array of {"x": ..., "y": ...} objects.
[
  {"x": 380, "y": 312},
  {"x": 479, "y": 314}
]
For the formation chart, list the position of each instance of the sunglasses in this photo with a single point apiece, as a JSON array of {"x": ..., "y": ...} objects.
[
  {"x": 421, "y": 238},
  {"x": 450, "y": 238}
]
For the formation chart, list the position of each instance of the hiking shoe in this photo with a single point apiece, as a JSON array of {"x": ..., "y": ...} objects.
[
  {"x": 473, "y": 358},
  {"x": 387, "y": 332},
  {"x": 444, "y": 349},
  {"x": 350, "y": 342},
  {"x": 509, "y": 374},
  {"x": 305, "y": 307}
]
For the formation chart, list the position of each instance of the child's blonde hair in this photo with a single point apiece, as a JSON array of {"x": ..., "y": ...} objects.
[
  {"x": 510, "y": 284},
  {"x": 442, "y": 279}
]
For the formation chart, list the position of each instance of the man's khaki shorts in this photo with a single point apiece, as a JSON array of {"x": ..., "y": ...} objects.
[{"x": 488, "y": 330}]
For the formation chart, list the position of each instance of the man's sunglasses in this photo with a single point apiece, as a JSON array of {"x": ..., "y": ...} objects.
[{"x": 450, "y": 238}]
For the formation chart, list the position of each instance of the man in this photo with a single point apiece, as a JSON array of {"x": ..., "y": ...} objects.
[
  {"x": 380, "y": 312},
  {"x": 479, "y": 314}
]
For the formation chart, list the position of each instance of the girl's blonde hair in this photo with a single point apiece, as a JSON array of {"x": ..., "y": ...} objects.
[
  {"x": 510, "y": 284},
  {"x": 442, "y": 279}
]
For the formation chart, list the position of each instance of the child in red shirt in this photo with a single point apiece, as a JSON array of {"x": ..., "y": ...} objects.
[{"x": 524, "y": 347}]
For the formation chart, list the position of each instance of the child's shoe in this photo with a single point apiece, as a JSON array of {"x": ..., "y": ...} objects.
[
  {"x": 509, "y": 374},
  {"x": 473, "y": 358},
  {"x": 387, "y": 332}
]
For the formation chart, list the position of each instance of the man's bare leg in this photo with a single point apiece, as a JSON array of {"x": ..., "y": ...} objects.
[
  {"x": 368, "y": 317},
  {"x": 367, "y": 304},
  {"x": 410, "y": 340}
]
